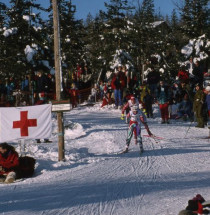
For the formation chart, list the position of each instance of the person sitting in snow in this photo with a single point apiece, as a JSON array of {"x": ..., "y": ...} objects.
[
  {"x": 9, "y": 162},
  {"x": 195, "y": 206},
  {"x": 135, "y": 127},
  {"x": 185, "y": 109}
]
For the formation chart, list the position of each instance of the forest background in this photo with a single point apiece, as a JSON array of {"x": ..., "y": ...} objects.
[{"x": 138, "y": 36}]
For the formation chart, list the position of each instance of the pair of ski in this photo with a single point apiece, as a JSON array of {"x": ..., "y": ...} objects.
[
  {"x": 151, "y": 136},
  {"x": 126, "y": 151}
]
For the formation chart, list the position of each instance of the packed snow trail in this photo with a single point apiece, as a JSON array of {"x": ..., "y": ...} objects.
[{"x": 94, "y": 180}]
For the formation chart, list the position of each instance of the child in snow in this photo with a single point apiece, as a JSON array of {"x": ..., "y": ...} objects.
[{"x": 135, "y": 128}]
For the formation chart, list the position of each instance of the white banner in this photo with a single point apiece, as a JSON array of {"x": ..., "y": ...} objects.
[{"x": 29, "y": 122}]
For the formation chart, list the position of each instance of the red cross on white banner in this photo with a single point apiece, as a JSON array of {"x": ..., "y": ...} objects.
[{"x": 24, "y": 123}]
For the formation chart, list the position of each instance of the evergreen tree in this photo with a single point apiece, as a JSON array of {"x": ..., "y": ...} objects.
[
  {"x": 2, "y": 37},
  {"x": 2, "y": 14},
  {"x": 174, "y": 44},
  {"x": 115, "y": 27},
  {"x": 23, "y": 37},
  {"x": 71, "y": 34},
  {"x": 95, "y": 44},
  {"x": 200, "y": 14},
  {"x": 195, "y": 17},
  {"x": 143, "y": 35}
]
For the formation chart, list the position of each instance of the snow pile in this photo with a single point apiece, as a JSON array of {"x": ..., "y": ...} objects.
[{"x": 74, "y": 130}]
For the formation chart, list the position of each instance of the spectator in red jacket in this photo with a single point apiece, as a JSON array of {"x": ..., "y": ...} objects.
[
  {"x": 9, "y": 162},
  {"x": 74, "y": 93},
  {"x": 183, "y": 75},
  {"x": 118, "y": 83}
]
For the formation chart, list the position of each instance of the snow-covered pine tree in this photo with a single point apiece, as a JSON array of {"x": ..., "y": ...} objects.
[
  {"x": 196, "y": 27},
  {"x": 2, "y": 37},
  {"x": 71, "y": 35},
  {"x": 174, "y": 43},
  {"x": 95, "y": 46},
  {"x": 194, "y": 17},
  {"x": 23, "y": 37},
  {"x": 200, "y": 14},
  {"x": 115, "y": 27}
]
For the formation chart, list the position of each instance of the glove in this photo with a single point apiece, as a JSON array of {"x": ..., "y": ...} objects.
[{"x": 122, "y": 116}]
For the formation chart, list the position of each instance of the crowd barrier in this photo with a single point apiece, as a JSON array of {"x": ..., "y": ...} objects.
[{"x": 22, "y": 98}]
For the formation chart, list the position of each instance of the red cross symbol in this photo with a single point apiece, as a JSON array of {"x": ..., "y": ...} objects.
[{"x": 24, "y": 123}]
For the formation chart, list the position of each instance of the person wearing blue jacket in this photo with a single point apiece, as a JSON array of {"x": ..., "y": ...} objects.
[
  {"x": 185, "y": 108},
  {"x": 163, "y": 101}
]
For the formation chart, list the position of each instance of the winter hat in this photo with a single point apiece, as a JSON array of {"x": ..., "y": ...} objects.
[
  {"x": 208, "y": 88},
  {"x": 132, "y": 97},
  {"x": 186, "y": 212}
]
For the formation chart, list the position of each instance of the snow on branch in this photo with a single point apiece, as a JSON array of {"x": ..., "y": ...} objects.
[
  {"x": 198, "y": 46},
  {"x": 10, "y": 31},
  {"x": 30, "y": 52}
]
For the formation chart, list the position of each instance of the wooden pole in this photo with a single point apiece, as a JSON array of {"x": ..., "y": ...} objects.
[{"x": 58, "y": 79}]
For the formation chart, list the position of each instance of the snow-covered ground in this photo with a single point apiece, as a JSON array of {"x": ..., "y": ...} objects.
[{"x": 95, "y": 180}]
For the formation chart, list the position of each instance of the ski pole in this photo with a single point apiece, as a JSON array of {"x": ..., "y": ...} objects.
[{"x": 188, "y": 129}]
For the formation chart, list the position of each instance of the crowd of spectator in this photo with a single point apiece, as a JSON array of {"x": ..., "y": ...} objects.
[
  {"x": 185, "y": 98},
  {"x": 187, "y": 93}
]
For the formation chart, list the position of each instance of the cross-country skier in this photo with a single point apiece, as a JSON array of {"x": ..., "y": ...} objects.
[
  {"x": 135, "y": 116},
  {"x": 127, "y": 107}
]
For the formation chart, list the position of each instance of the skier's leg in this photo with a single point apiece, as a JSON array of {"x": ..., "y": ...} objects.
[
  {"x": 129, "y": 135},
  {"x": 135, "y": 134},
  {"x": 139, "y": 138}
]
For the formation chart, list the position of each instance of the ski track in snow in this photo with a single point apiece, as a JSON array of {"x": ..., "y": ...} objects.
[{"x": 94, "y": 180}]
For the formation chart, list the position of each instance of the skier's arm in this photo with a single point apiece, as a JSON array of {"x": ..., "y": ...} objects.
[
  {"x": 125, "y": 107},
  {"x": 123, "y": 110},
  {"x": 127, "y": 117}
]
